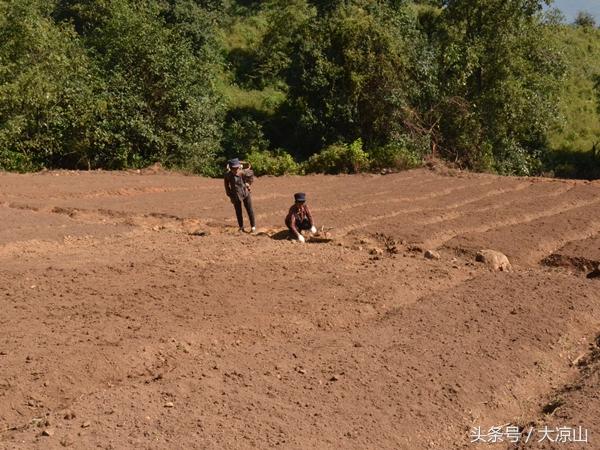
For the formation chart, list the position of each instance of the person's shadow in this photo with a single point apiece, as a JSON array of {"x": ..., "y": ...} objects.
[{"x": 283, "y": 235}]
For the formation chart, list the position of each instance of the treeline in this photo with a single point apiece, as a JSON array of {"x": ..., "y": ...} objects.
[{"x": 342, "y": 85}]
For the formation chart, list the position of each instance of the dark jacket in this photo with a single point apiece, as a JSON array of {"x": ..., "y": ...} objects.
[
  {"x": 298, "y": 215},
  {"x": 235, "y": 186}
]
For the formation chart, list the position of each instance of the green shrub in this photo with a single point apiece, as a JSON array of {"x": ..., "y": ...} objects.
[
  {"x": 243, "y": 135},
  {"x": 16, "y": 162},
  {"x": 339, "y": 158},
  {"x": 516, "y": 160},
  {"x": 404, "y": 153},
  {"x": 272, "y": 163}
]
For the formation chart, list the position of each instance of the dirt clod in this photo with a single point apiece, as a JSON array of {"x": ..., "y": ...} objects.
[
  {"x": 432, "y": 254},
  {"x": 495, "y": 260}
]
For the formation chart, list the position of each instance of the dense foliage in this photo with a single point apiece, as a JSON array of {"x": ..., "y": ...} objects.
[
  {"x": 107, "y": 84},
  {"x": 498, "y": 61},
  {"x": 294, "y": 86}
]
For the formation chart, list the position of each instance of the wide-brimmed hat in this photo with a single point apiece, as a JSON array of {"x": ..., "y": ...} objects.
[
  {"x": 300, "y": 197},
  {"x": 235, "y": 162}
]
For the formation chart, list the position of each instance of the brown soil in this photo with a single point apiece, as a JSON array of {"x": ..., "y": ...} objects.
[{"x": 134, "y": 315}]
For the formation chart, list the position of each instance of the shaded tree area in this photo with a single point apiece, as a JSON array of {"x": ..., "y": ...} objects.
[{"x": 293, "y": 85}]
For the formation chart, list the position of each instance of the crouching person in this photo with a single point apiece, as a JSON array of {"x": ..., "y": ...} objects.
[{"x": 299, "y": 217}]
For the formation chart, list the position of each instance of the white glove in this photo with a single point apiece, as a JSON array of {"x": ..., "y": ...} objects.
[
  {"x": 313, "y": 229},
  {"x": 301, "y": 238}
]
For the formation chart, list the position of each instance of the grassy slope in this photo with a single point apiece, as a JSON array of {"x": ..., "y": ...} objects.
[
  {"x": 580, "y": 123},
  {"x": 245, "y": 33}
]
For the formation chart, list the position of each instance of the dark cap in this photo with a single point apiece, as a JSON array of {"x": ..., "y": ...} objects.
[
  {"x": 235, "y": 162},
  {"x": 300, "y": 197}
]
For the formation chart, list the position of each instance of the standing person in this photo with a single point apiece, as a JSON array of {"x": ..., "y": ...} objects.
[
  {"x": 299, "y": 217},
  {"x": 237, "y": 188}
]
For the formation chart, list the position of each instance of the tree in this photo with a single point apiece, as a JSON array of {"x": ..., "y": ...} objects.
[
  {"x": 285, "y": 19},
  {"x": 585, "y": 20},
  {"x": 48, "y": 91},
  {"x": 353, "y": 75},
  {"x": 108, "y": 84},
  {"x": 168, "y": 108},
  {"x": 158, "y": 64},
  {"x": 499, "y": 77}
]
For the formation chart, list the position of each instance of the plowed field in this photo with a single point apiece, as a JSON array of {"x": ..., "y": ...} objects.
[{"x": 133, "y": 314}]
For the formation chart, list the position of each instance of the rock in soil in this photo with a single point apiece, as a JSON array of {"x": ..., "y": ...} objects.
[{"x": 494, "y": 260}]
